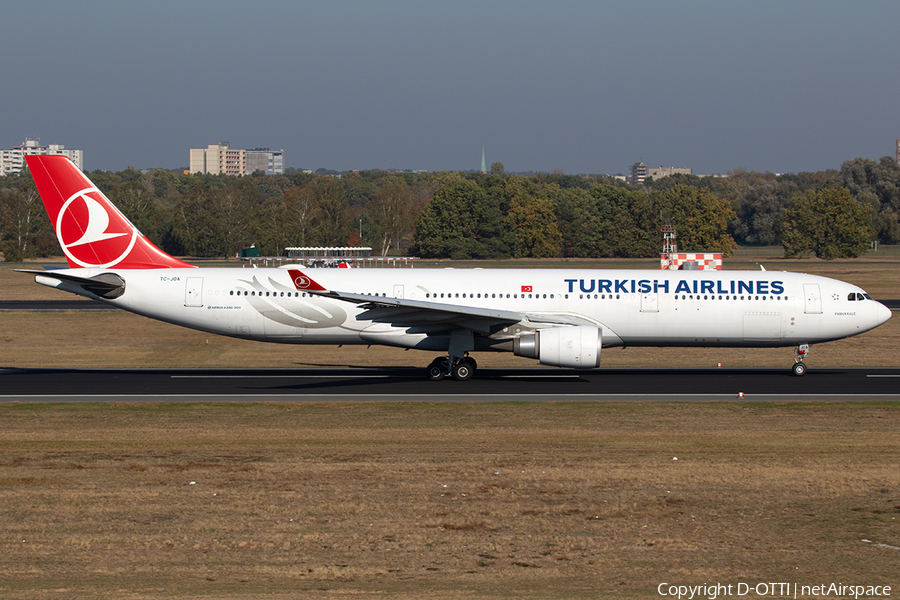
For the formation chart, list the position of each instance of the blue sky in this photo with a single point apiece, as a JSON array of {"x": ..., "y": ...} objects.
[{"x": 587, "y": 87}]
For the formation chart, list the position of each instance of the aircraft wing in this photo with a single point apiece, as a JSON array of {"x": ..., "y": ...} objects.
[
  {"x": 401, "y": 312},
  {"x": 427, "y": 315},
  {"x": 421, "y": 314}
]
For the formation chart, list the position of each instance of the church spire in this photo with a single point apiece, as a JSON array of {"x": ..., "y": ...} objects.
[{"x": 483, "y": 164}]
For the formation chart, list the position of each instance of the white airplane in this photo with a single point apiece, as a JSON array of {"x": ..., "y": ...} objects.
[{"x": 561, "y": 317}]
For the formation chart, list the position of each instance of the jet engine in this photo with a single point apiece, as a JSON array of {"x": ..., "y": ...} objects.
[{"x": 575, "y": 347}]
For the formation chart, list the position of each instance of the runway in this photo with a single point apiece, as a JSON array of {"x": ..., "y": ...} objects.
[{"x": 409, "y": 385}]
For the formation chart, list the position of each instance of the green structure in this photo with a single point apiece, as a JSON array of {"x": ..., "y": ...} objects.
[{"x": 483, "y": 164}]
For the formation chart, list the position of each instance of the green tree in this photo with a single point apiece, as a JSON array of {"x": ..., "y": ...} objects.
[
  {"x": 217, "y": 222},
  {"x": 25, "y": 229},
  {"x": 877, "y": 185},
  {"x": 301, "y": 217},
  {"x": 829, "y": 223},
  {"x": 606, "y": 221},
  {"x": 334, "y": 210},
  {"x": 389, "y": 213},
  {"x": 761, "y": 213},
  {"x": 497, "y": 169},
  {"x": 462, "y": 221},
  {"x": 269, "y": 228},
  {"x": 532, "y": 222},
  {"x": 700, "y": 218}
]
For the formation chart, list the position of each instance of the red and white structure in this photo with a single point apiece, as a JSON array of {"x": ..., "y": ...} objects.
[
  {"x": 672, "y": 260},
  {"x": 691, "y": 261}
]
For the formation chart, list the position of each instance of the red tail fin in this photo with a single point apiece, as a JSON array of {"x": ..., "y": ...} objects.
[{"x": 90, "y": 229}]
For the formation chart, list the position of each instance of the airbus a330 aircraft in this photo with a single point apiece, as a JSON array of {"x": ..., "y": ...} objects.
[{"x": 559, "y": 317}]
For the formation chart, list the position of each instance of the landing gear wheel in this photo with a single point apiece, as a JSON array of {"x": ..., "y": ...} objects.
[
  {"x": 437, "y": 369},
  {"x": 799, "y": 368},
  {"x": 463, "y": 370}
]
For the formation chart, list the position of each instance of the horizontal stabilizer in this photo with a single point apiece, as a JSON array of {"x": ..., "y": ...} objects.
[{"x": 105, "y": 285}]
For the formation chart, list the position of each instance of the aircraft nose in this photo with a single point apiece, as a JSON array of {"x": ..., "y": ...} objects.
[{"x": 882, "y": 313}]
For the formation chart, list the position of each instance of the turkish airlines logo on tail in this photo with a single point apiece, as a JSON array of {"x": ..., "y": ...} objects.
[{"x": 91, "y": 232}]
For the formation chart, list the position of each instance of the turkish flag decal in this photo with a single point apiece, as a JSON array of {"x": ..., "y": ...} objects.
[{"x": 526, "y": 288}]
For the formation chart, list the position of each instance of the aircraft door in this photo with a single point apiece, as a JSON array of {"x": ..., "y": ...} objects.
[
  {"x": 650, "y": 302},
  {"x": 813, "y": 298},
  {"x": 398, "y": 291},
  {"x": 193, "y": 291}
]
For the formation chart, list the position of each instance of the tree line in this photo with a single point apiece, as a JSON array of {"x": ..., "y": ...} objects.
[{"x": 474, "y": 215}]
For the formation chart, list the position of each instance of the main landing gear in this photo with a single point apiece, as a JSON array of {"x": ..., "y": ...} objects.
[
  {"x": 461, "y": 370},
  {"x": 799, "y": 367}
]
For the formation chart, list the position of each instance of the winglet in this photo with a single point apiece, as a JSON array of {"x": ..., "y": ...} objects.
[{"x": 304, "y": 282}]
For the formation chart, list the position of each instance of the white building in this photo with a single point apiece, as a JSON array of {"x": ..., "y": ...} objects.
[
  {"x": 222, "y": 159},
  {"x": 13, "y": 161}
]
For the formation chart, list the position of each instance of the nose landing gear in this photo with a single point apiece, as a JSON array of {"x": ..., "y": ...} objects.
[{"x": 799, "y": 369}]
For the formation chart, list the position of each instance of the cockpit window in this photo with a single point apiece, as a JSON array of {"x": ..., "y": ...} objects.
[{"x": 852, "y": 297}]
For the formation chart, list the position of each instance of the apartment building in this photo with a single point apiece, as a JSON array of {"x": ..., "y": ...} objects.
[
  {"x": 222, "y": 159},
  {"x": 13, "y": 161}
]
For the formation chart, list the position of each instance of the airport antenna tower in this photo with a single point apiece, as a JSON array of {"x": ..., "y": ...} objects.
[
  {"x": 670, "y": 246},
  {"x": 483, "y": 164}
]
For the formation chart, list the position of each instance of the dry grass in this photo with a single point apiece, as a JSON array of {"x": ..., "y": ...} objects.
[{"x": 439, "y": 501}]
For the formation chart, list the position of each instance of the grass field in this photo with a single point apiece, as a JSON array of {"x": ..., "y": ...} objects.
[
  {"x": 421, "y": 500},
  {"x": 430, "y": 500}
]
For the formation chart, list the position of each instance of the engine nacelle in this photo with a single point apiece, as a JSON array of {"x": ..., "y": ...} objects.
[{"x": 575, "y": 347}]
